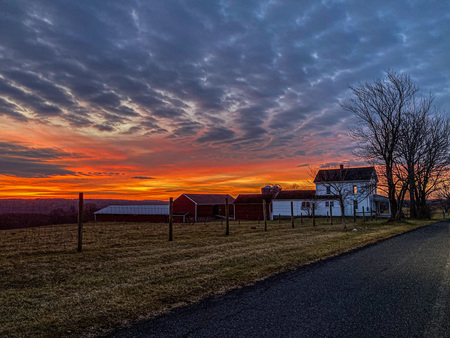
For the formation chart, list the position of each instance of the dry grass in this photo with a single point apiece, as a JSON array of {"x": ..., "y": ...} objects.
[{"x": 128, "y": 272}]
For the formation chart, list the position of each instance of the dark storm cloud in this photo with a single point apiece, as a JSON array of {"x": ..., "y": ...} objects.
[{"x": 246, "y": 73}]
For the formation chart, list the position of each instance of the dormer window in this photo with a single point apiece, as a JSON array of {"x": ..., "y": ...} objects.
[
  {"x": 355, "y": 190},
  {"x": 328, "y": 190}
]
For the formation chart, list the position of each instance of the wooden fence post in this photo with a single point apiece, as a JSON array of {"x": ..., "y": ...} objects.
[
  {"x": 331, "y": 214},
  {"x": 301, "y": 218},
  {"x": 354, "y": 214},
  {"x": 314, "y": 214},
  {"x": 80, "y": 222},
  {"x": 227, "y": 216},
  {"x": 171, "y": 220},
  {"x": 364, "y": 215},
  {"x": 265, "y": 216},
  {"x": 292, "y": 214}
]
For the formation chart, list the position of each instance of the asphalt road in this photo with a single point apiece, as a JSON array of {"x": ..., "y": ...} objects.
[{"x": 397, "y": 288}]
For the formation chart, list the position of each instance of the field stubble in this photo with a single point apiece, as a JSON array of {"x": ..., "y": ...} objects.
[{"x": 129, "y": 272}]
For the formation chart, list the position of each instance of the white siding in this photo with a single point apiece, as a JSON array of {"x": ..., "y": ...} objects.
[
  {"x": 283, "y": 207},
  {"x": 364, "y": 198}
]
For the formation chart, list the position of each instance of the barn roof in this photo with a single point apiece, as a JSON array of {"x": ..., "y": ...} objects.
[
  {"x": 346, "y": 174},
  {"x": 295, "y": 194},
  {"x": 135, "y": 210},
  {"x": 253, "y": 198},
  {"x": 207, "y": 199}
]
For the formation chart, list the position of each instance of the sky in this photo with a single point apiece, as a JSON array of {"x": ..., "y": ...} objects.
[{"x": 151, "y": 99}]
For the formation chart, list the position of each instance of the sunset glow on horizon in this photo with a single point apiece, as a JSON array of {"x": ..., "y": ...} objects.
[{"x": 143, "y": 100}]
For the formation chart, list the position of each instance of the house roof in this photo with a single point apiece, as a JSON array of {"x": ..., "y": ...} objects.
[
  {"x": 135, "y": 210},
  {"x": 295, "y": 195},
  {"x": 327, "y": 197},
  {"x": 207, "y": 199},
  {"x": 346, "y": 174},
  {"x": 253, "y": 198}
]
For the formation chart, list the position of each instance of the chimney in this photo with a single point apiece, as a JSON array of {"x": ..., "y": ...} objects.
[{"x": 342, "y": 166}]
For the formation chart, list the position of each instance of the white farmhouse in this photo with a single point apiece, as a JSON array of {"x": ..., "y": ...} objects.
[{"x": 355, "y": 187}]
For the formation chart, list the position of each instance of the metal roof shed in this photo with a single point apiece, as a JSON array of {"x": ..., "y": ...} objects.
[{"x": 137, "y": 213}]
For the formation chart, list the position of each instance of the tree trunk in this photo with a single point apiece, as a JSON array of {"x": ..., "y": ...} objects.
[{"x": 341, "y": 203}]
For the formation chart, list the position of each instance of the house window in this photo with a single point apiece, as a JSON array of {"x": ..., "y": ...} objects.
[
  {"x": 328, "y": 190},
  {"x": 355, "y": 189},
  {"x": 327, "y": 204},
  {"x": 355, "y": 204},
  {"x": 305, "y": 205},
  {"x": 332, "y": 204}
]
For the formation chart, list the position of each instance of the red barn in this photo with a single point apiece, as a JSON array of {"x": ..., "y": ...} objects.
[
  {"x": 203, "y": 206},
  {"x": 250, "y": 207}
]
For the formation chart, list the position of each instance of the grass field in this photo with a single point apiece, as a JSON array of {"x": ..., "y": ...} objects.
[{"x": 128, "y": 272}]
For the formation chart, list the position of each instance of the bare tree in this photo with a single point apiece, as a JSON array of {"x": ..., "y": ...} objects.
[
  {"x": 443, "y": 193},
  {"x": 380, "y": 107},
  {"x": 422, "y": 155},
  {"x": 433, "y": 162},
  {"x": 410, "y": 150}
]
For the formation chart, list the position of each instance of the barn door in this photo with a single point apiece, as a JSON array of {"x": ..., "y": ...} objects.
[{"x": 215, "y": 210}]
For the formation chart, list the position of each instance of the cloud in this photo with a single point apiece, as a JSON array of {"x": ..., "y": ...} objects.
[
  {"x": 22, "y": 161},
  {"x": 216, "y": 134},
  {"x": 11, "y": 110},
  {"x": 143, "y": 178},
  {"x": 16, "y": 150},
  {"x": 99, "y": 174},
  {"x": 263, "y": 80},
  {"x": 30, "y": 168},
  {"x": 330, "y": 164}
]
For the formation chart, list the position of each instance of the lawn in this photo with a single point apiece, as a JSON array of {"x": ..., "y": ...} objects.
[{"x": 129, "y": 272}]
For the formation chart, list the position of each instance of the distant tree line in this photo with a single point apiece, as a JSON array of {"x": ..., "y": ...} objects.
[
  {"x": 15, "y": 220},
  {"x": 403, "y": 135},
  {"x": 24, "y": 213}
]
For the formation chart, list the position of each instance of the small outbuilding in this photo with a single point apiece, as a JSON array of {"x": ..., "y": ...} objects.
[
  {"x": 137, "y": 213},
  {"x": 203, "y": 206},
  {"x": 250, "y": 206}
]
